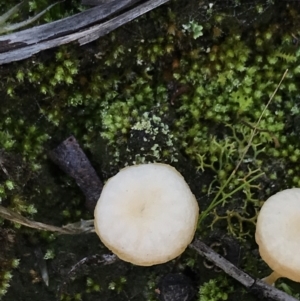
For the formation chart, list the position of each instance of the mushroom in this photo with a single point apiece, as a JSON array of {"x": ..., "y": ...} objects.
[
  {"x": 278, "y": 234},
  {"x": 146, "y": 214}
]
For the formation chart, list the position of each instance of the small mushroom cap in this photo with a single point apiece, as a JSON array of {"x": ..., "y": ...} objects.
[
  {"x": 278, "y": 233},
  {"x": 146, "y": 214}
]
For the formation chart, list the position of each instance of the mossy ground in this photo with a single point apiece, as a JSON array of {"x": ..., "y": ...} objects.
[{"x": 184, "y": 84}]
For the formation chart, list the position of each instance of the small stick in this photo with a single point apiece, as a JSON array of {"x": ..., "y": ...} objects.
[
  {"x": 99, "y": 260},
  {"x": 83, "y": 226},
  {"x": 72, "y": 160},
  {"x": 254, "y": 285}
]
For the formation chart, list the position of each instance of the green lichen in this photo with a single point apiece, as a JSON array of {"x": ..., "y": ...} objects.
[{"x": 235, "y": 190}]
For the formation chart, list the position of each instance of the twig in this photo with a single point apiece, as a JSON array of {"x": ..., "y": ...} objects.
[
  {"x": 104, "y": 259},
  {"x": 15, "y": 48},
  {"x": 98, "y": 260},
  {"x": 103, "y": 29},
  {"x": 63, "y": 27},
  {"x": 76, "y": 228},
  {"x": 254, "y": 285},
  {"x": 70, "y": 157}
]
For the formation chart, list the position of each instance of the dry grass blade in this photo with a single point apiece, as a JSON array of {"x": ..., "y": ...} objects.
[
  {"x": 12, "y": 27},
  {"x": 258, "y": 122},
  {"x": 10, "y": 13},
  {"x": 76, "y": 228}
]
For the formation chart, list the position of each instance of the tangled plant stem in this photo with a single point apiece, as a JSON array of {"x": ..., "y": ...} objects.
[{"x": 216, "y": 201}]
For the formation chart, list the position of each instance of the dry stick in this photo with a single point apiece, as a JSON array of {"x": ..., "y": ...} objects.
[
  {"x": 83, "y": 37},
  {"x": 70, "y": 157},
  {"x": 96, "y": 260},
  {"x": 83, "y": 226},
  {"x": 254, "y": 285},
  {"x": 63, "y": 27},
  {"x": 214, "y": 202},
  {"x": 103, "y": 29}
]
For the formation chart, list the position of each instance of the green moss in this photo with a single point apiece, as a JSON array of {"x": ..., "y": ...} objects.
[{"x": 217, "y": 289}]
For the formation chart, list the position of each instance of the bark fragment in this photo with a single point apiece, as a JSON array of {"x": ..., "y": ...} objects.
[{"x": 72, "y": 160}]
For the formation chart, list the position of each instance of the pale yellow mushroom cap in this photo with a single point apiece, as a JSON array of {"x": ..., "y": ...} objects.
[
  {"x": 278, "y": 233},
  {"x": 146, "y": 214}
]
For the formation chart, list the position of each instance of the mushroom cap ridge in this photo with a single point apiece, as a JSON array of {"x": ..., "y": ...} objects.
[{"x": 146, "y": 214}]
